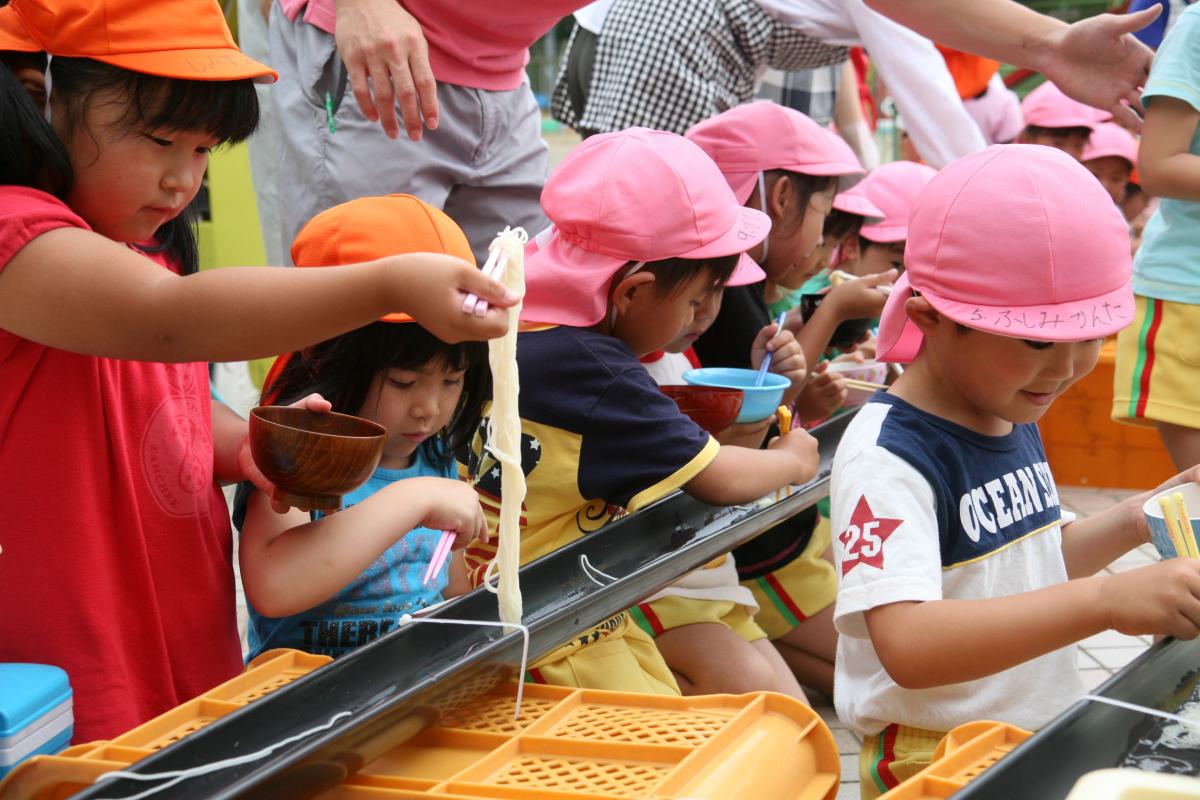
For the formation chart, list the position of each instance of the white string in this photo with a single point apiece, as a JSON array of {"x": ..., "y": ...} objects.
[
  {"x": 407, "y": 618},
  {"x": 762, "y": 196},
  {"x": 181, "y": 775},
  {"x": 504, "y": 434},
  {"x": 590, "y": 572},
  {"x": 1154, "y": 712},
  {"x": 47, "y": 89}
]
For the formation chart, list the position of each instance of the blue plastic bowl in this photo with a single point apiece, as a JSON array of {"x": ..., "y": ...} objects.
[{"x": 759, "y": 402}]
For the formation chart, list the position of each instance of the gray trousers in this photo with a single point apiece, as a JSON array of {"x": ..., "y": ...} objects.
[{"x": 484, "y": 166}]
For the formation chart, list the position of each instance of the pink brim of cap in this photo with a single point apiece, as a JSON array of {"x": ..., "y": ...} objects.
[
  {"x": 899, "y": 339},
  {"x": 860, "y": 204},
  {"x": 749, "y": 227},
  {"x": 884, "y": 234},
  {"x": 746, "y": 272},
  {"x": 565, "y": 283}
]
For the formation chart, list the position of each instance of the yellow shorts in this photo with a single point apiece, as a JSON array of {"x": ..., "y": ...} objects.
[
  {"x": 615, "y": 655},
  {"x": 670, "y": 612},
  {"x": 1158, "y": 365},
  {"x": 797, "y": 591},
  {"x": 894, "y": 755}
]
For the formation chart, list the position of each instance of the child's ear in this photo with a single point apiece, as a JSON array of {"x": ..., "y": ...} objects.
[
  {"x": 923, "y": 315},
  {"x": 850, "y": 249},
  {"x": 781, "y": 197},
  {"x": 628, "y": 287}
]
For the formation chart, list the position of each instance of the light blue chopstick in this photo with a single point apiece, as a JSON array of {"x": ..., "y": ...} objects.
[{"x": 766, "y": 362}]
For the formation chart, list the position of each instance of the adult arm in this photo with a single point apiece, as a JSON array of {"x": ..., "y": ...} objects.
[
  {"x": 387, "y": 60},
  {"x": 1095, "y": 60},
  {"x": 76, "y": 290},
  {"x": 850, "y": 121},
  {"x": 919, "y": 81}
]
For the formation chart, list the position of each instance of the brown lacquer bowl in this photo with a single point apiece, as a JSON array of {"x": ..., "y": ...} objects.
[
  {"x": 312, "y": 458},
  {"x": 712, "y": 408}
]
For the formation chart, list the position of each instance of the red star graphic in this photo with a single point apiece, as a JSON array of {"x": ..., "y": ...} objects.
[{"x": 864, "y": 537}]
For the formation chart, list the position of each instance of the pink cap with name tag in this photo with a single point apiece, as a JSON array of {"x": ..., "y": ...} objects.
[
  {"x": 633, "y": 195},
  {"x": 1016, "y": 240}
]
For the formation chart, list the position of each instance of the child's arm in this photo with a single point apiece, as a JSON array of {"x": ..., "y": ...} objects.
[
  {"x": 1165, "y": 161},
  {"x": 75, "y": 290},
  {"x": 289, "y": 563},
  {"x": 856, "y": 299},
  {"x": 740, "y": 475},
  {"x": 922, "y": 645},
  {"x": 1091, "y": 544},
  {"x": 822, "y": 395}
]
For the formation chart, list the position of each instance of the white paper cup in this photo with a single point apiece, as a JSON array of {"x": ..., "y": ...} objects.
[{"x": 1159, "y": 533}]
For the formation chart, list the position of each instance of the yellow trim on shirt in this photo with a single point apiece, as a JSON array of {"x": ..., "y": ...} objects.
[
  {"x": 677, "y": 478},
  {"x": 1022, "y": 538}
]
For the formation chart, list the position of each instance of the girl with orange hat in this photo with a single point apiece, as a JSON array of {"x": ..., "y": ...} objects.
[
  {"x": 116, "y": 560},
  {"x": 328, "y": 584}
]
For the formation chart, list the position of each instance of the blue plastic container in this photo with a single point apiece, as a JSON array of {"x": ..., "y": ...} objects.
[
  {"x": 759, "y": 402},
  {"x": 36, "y": 715}
]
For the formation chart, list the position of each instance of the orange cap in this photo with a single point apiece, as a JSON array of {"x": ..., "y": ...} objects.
[
  {"x": 373, "y": 227},
  {"x": 364, "y": 230},
  {"x": 169, "y": 38},
  {"x": 13, "y": 36}
]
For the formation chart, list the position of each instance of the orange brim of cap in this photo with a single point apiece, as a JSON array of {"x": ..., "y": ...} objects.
[
  {"x": 13, "y": 37},
  {"x": 208, "y": 64}
]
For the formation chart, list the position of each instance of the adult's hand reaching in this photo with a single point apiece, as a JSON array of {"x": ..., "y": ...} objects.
[
  {"x": 387, "y": 59},
  {"x": 1095, "y": 60},
  {"x": 1098, "y": 62}
]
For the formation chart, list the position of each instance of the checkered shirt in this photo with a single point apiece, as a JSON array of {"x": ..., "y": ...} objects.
[{"x": 668, "y": 64}]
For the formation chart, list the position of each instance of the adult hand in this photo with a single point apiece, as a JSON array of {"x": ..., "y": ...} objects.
[
  {"x": 250, "y": 470},
  {"x": 1097, "y": 61},
  {"x": 385, "y": 53}
]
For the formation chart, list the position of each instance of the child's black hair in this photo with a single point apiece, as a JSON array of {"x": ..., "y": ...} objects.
[
  {"x": 342, "y": 370},
  {"x": 228, "y": 110},
  {"x": 840, "y": 224},
  {"x": 1032, "y": 131},
  {"x": 671, "y": 273},
  {"x": 805, "y": 186},
  {"x": 30, "y": 153}
]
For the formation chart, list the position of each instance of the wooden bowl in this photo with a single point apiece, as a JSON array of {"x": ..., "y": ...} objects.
[
  {"x": 312, "y": 458},
  {"x": 712, "y": 408}
]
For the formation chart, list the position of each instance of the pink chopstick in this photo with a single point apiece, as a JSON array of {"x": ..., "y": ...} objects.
[
  {"x": 440, "y": 554},
  {"x": 493, "y": 268}
]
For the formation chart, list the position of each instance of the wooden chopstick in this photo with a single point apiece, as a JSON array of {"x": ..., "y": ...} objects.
[{"x": 855, "y": 383}]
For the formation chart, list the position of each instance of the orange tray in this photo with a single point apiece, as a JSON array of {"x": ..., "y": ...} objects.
[
  {"x": 962, "y": 755},
  {"x": 570, "y": 744}
]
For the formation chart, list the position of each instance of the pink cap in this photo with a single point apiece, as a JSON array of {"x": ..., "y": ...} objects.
[
  {"x": 1047, "y": 107},
  {"x": 755, "y": 137},
  {"x": 1110, "y": 139},
  {"x": 633, "y": 195},
  {"x": 1051, "y": 262},
  {"x": 855, "y": 201},
  {"x": 894, "y": 188}
]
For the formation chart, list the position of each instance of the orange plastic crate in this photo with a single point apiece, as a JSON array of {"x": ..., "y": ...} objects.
[
  {"x": 962, "y": 755},
  {"x": 570, "y": 744},
  {"x": 1086, "y": 447}
]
